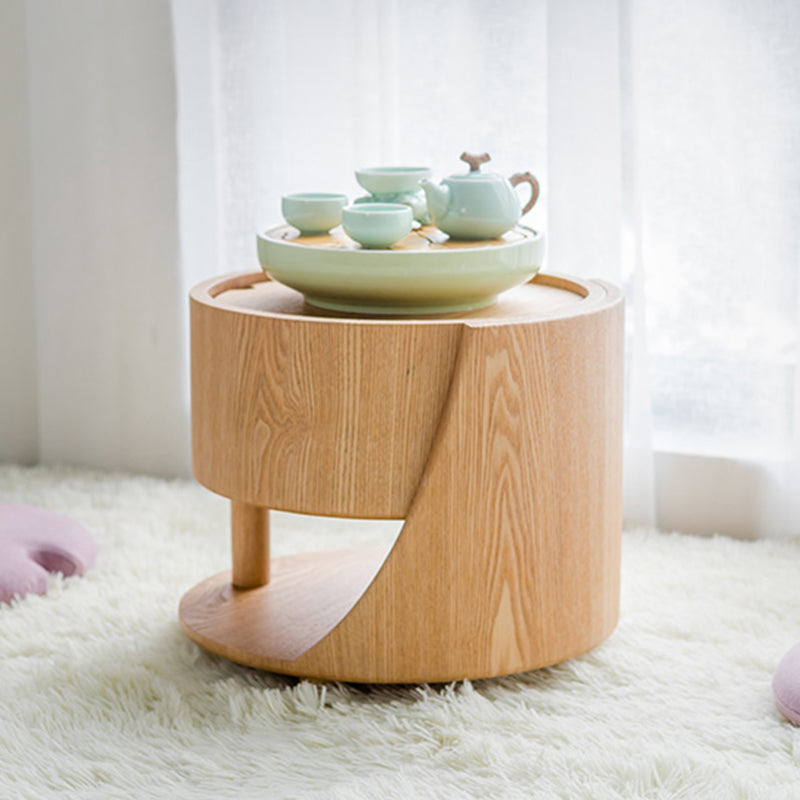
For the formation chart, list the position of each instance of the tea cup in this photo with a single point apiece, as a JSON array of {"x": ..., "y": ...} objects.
[
  {"x": 313, "y": 212},
  {"x": 383, "y": 181},
  {"x": 377, "y": 225}
]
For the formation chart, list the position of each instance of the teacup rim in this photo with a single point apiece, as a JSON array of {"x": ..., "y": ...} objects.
[
  {"x": 376, "y": 208},
  {"x": 312, "y": 196},
  {"x": 393, "y": 170}
]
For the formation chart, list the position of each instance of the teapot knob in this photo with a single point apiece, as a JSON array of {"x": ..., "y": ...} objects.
[{"x": 475, "y": 161}]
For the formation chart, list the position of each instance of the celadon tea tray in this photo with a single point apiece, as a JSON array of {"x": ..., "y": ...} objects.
[{"x": 425, "y": 273}]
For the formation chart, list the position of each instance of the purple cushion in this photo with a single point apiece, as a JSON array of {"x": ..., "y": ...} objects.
[
  {"x": 35, "y": 541},
  {"x": 786, "y": 685}
]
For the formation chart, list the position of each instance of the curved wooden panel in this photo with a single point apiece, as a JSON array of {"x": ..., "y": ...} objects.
[{"x": 296, "y": 415}]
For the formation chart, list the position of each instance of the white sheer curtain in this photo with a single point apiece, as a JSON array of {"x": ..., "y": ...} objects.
[
  {"x": 307, "y": 91},
  {"x": 666, "y": 138},
  {"x": 715, "y": 92},
  {"x": 92, "y": 312},
  {"x": 304, "y": 92}
]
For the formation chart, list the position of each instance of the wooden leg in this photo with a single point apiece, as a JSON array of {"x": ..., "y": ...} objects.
[{"x": 250, "y": 545}]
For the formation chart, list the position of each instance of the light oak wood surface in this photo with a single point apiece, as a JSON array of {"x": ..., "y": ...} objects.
[
  {"x": 249, "y": 545},
  {"x": 496, "y": 435}
]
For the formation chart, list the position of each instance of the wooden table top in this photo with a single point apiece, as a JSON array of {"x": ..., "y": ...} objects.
[{"x": 544, "y": 297}]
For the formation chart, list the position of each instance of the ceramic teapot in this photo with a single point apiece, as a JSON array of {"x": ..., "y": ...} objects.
[{"x": 478, "y": 205}]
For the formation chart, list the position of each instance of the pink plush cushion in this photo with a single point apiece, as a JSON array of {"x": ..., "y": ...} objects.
[
  {"x": 35, "y": 541},
  {"x": 786, "y": 685}
]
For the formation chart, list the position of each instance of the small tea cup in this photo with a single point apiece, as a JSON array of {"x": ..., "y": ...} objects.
[
  {"x": 377, "y": 225},
  {"x": 391, "y": 180},
  {"x": 313, "y": 212}
]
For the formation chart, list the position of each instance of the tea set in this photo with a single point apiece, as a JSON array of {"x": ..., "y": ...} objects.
[
  {"x": 410, "y": 246},
  {"x": 473, "y": 206}
]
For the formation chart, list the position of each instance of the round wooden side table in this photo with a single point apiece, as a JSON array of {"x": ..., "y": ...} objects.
[{"x": 496, "y": 435}]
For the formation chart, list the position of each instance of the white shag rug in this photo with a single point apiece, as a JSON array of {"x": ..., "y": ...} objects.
[{"x": 102, "y": 695}]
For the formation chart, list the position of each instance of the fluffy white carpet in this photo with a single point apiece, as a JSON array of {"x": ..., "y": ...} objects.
[{"x": 102, "y": 696}]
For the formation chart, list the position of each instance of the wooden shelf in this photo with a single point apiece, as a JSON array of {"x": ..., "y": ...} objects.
[
  {"x": 495, "y": 434},
  {"x": 307, "y": 596}
]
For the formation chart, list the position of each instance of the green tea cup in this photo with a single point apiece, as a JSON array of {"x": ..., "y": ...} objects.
[
  {"x": 313, "y": 212},
  {"x": 377, "y": 225}
]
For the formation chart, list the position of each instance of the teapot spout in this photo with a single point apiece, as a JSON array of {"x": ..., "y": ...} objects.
[{"x": 437, "y": 196}]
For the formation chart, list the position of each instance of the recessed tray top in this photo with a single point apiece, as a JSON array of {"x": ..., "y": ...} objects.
[
  {"x": 425, "y": 273},
  {"x": 544, "y": 296}
]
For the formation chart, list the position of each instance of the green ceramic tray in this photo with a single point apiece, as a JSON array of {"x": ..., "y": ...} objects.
[{"x": 425, "y": 273}]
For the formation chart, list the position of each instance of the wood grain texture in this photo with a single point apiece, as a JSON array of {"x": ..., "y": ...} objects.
[
  {"x": 509, "y": 556},
  {"x": 319, "y": 413},
  {"x": 333, "y": 420},
  {"x": 307, "y": 596}
]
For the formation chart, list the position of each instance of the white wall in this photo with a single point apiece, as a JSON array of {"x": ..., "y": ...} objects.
[{"x": 18, "y": 402}]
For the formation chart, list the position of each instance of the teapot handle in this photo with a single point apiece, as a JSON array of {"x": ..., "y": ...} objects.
[{"x": 526, "y": 177}]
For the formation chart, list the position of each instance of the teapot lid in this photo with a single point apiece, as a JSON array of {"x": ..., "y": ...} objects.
[{"x": 475, "y": 162}]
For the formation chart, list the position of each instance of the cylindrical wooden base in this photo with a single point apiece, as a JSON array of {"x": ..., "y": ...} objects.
[{"x": 496, "y": 435}]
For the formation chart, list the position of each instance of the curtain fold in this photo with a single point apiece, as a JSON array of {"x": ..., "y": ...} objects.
[{"x": 592, "y": 196}]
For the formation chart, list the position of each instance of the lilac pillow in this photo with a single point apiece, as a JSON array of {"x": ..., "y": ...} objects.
[
  {"x": 786, "y": 685},
  {"x": 35, "y": 541}
]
